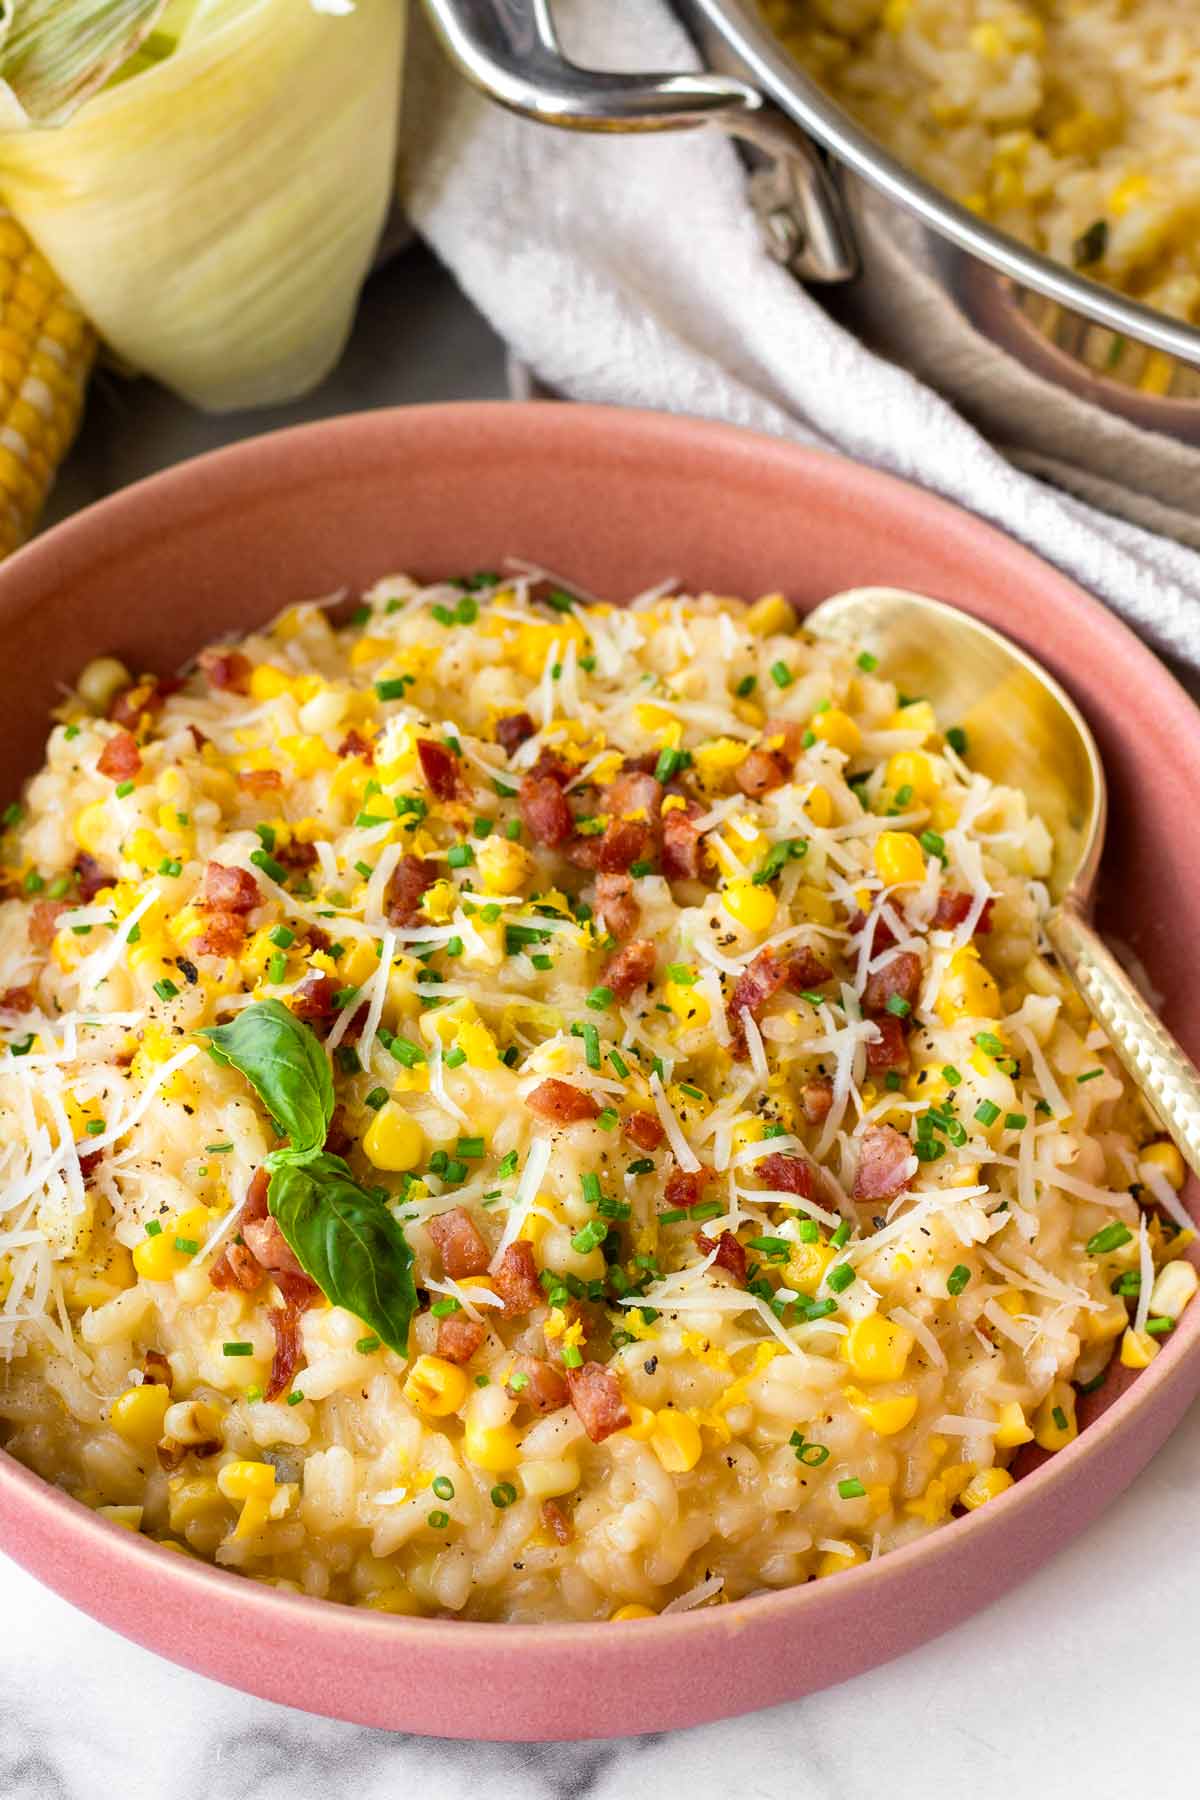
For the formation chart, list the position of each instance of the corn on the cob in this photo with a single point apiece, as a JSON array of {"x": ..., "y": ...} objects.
[{"x": 46, "y": 352}]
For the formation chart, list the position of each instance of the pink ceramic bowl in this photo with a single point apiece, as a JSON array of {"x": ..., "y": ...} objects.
[{"x": 616, "y": 501}]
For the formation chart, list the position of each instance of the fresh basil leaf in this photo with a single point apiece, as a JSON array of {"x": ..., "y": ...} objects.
[
  {"x": 348, "y": 1242},
  {"x": 285, "y": 1064}
]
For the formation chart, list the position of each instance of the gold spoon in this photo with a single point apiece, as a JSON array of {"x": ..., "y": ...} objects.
[{"x": 1024, "y": 731}]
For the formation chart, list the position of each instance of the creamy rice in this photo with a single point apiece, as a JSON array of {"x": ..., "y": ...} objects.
[
  {"x": 695, "y": 1035},
  {"x": 1072, "y": 124}
]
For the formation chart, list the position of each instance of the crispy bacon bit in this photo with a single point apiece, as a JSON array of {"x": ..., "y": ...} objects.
[
  {"x": 952, "y": 908},
  {"x": 512, "y": 731},
  {"x": 223, "y": 935},
  {"x": 633, "y": 795},
  {"x": 298, "y": 1294},
  {"x": 460, "y": 1243},
  {"x": 43, "y": 921},
  {"x": 597, "y": 1398},
  {"x": 255, "y": 1204},
  {"x": 144, "y": 697},
  {"x": 685, "y": 1187},
  {"x": 770, "y": 971},
  {"x": 413, "y": 877},
  {"x": 516, "y": 1279},
  {"x": 544, "y": 1387},
  {"x": 900, "y": 978},
  {"x": 354, "y": 744},
  {"x": 617, "y": 909},
  {"x": 816, "y": 1097},
  {"x": 313, "y": 999},
  {"x": 120, "y": 758},
  {"x": 790, "y": 731},
  {"x": 228, "y": 671},
  {"x": 681, "y": 846},
  {"x": 459, "y": 1338},
  {"x": 890, "y": 1048},
  {"x": 259, "y": 781},
  {"x": 882, "y": 938},
  {"x": 630, "y": 968},
  {"x": 230, "y": 890},
  {"x": 544, "y": 810},
  {"x": 338, "y": 1140},
  {"x": 731, "y": 1255},
  {"x": 156, "y": 1370},
  {"x": 786, "y": 1174},
  {"x": 269, "y": 1247},
  {"x": 556, "y": 1522},
  {"x": 625, "y": 842},
  {"x": 560, "y": 1102},
  {"x": 882, "y": 1160},
  {"x": 237, "y": 1266},
  {"x": 645, "y": 1129},
  {"x": 16, "y": 999},
  {"x": 91, "y": 877},
  {"x": 762, "y": 771},
  {"x": 89, "y": 1162},
  {"x": 438, "y": 767}
]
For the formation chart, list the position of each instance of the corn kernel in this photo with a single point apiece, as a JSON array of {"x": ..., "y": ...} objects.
[
  {"x": 688, "y": 1002},
  {"x": 770, "y": 617},
  {"x": 749, "y": 712},
  {"x": 885, "y": 1415},
  {"x": 1013, "y": 1428},
  {"x": 268, "y": 683},
  {"x": 750, "y": 905},
  {"x": 984, "y": 1486},
  {"x": 247, "y": 1480},
  {"x": 91, "y": 827},
  {"x": 1138, "y": 1349},
  {"x": 819, "y": 807},
  {"x": 807, "y": 1265},
  {"x": 1174, "y": 1287},
  {"x": 632, "y": 1611},
  {"x": 1054, "y": 1422},
  {"x": 496, "y": 1448},
  {"x": 1012, "y": 1301},
  {"x": 436, "y": 1386},
  {"x": 394, "y": 1140},
  {"x": 393, "y": 1600},
  {"x": 834, "y": 1561},
  {"x": 544, "y": 1478},
  {"x": 920, "y": 716},
  {"x": 675, "y": 1440},
  {"x": 137, "y": 1414},
  {"x": 836, "y": 728},
  {"x": 967, "y": 990},
  {"x": 1110, "y": 1322},
  {"x": 156, "y": 1258},
  {"x": 504, "y": 867},
  {"x": 912, "y": 769},
  {"x": 899, "y": 858},
  {"x": 1165, "y": 1156},
  {"x": 719, "y": 756},
  {"x": 814, "y": 904},
  {"x": 641, "y": 1423},
  {"x": 877, "y": 1348}
]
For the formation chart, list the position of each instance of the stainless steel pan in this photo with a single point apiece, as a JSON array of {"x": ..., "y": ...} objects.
[{"x": 826, "y": 191}]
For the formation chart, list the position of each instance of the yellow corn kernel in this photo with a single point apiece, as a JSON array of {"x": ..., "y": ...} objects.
[
  {"x": 1166, "y": 1157},
  {"x": 834, "y": 1561},
  {"x": 895, "y": 14},
  {"x": 137, "y": 1414},
  {"x": 310, "y": 755},
  {"x": 1054, "y": 1421},
  {"x": 436, "y": 1386},
  {"x": 750, "y": 905},
  {"x": 544, "y": 1478},
  {"x": 984, "y": 1486},
  {"x": 91, "y": 827},
  {"x": 1138, "y": 1349},
  {"x": 814, "y": 904},
  {"x": 130, "y": 1517},
  {"x": 819, "y": 807},
  {"x": 688, "y": 1002},
  {"x": 394, "y": 1140},
  {"x": 504, "y": 867},
  {"x": 253, "y": 1483},
  {"x": 495, "y": 1448},
  {"x": 156, "y": 1258},
  {"x": 651, "y": 718},
  {"x": 988, "y": 40},
  {"x": 912, "y": 769},
  {"x": 920, "y": 716},
  {"x": 1110, "y": 1322},
  {"x": 877, "y": 1348},
  {"x": 747, "y": 1132},
  {"x": 641, "y": 1421},
  {"x": 393, "y": 1600},
  {"x": 675, "y": 1440},
  {"x": 836, "y": 728},
  {"x": 6, "y": 1278},
  {"x": 369, "y": 649},
  {"x": 772, "y": 616},
  {"x": 632, "y": 1611},
  {"x": 807, "y": 1265},
  {"x": 719, "y": 755},
  {"x": 1174, "y": 1287},
  {"x": 967, "y": 990},
  {"x": 1013, "y": 1301},
  {"x": 899, "y": 858},
  {"x": 268, "y": 682},
  {"x": 190, "y": 1497},
  {"x": 885, "y": 1415},
  {"x": 1127, "y": 193},
  {"x": 749, "y": 712},
  {"x": 439, "y": 901},
  {"x": 1014, "y": 1427}
]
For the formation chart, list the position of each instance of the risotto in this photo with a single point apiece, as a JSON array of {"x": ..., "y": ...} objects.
[
  {"x": 1072, "y": 124},
  {"x": 520, "y": 1108}
]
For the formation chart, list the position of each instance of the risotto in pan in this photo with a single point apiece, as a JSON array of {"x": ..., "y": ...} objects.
[{"x": 524, "y": 1109}]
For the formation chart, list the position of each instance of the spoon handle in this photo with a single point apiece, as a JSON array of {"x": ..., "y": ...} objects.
[{"x": 1166, "y": 1075}]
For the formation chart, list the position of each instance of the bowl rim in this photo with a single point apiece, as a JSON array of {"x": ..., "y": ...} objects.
[{"x": 206, "y": 480}]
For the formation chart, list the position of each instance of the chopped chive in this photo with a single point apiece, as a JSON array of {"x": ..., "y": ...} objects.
[
  {"x": 589, "y": 1181},
  {"x": 406, "y": 1052},
  {"x": 459, "y": 856},
  {"x": 471, "y": 1149},
  {"x": 1109, "y": 1237},
  {"x": 841, "y": 1235},
  {"x": 591, "y": 1045},
  {"x": 282, "y": 937},
  {"x": 811, "y": 1455},
  {"x": 392, "y": 689},
  {"x": 295, "y": 1397},
  {"x": 347, "y": 1059},
  {"x": 1060, "y": 1417},
  {"x": 839, "y": 1277},
  {"x": 438, "y": 1520},
  {"x": 852, "y": 1489},
  {"x": 956, "y": 737},
  {"x": 508, "y": 1165},
  {"x": 217, "y": 1149},
  {"x": 808, "y": 1232},
  {"x": 600, "y": 998},
  {"x": 746, "y": 686},
  {"x": 788, "y": 850},
  {"x": 503, "y": 1494},
  {"x": 264, "y": 861},
  {"x": 1015, "y": 1121},
  {"x": 366, "y": 1345},
  {"x": 618, "y": 1062},
  {"x": 781, "y": 675},
  {"x": 989, "y": 1043},
  {"x": 238, "y": 1349},
  {"x": 443, "y": 1487},
  {"x": 1089, "y": 1075},
  {"x": 898, "y": 1006},
  {"x": 934, "y": 844},
  {"x": 987, "y": 1112},
  {"x": 958, "y": 1278},
  {"x": 123, "y": 789},
  {"x": 892, "y": 1082},
  {"x": 589, "y": 1236},
  {"x": 708, "y": 1209},
  {"x": 455, "y": 1057},
  {"x": 867, "y": 663},
  {"x": 950, "y": 1075},
  {"x": 153, "y": 1228},
  {"x": 642, "y": 1165},
  {"x": 1157, "y": 1327},
  {"x": 165, "y": 989},
  {"x": 638, "y": 869},
  {"x": 607, "y": 1119}
]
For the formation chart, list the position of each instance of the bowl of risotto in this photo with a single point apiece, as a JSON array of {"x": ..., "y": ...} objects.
[{"x": 542, "y": 1143}]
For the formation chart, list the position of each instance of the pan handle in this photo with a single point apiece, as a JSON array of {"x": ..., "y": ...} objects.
[{"x": 510, "y": 50}]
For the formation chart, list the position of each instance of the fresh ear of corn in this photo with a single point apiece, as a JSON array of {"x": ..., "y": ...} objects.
[
  {"x": 215, "y": 206},
  {"x": 46, "y": 354}
]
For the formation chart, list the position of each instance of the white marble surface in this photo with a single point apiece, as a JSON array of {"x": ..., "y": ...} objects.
[{"x": 1076, "y": 1685}]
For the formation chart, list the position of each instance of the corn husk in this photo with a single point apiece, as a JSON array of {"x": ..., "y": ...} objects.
[
  {"x": 53, "y": 56},
  {"x": 215, "y": 206}
]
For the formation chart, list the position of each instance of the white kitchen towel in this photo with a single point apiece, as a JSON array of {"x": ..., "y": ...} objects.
[{"x": 630, "y": 271}]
